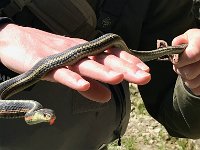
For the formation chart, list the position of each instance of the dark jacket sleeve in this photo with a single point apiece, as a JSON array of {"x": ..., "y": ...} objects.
[
  {"x": 170, "y": 102},
  {"x": 187, "y": 105},
  {"x": 5, "y": 20},
  {"x": 165, "y": 97},
  {"x": 180, "y": 115}
]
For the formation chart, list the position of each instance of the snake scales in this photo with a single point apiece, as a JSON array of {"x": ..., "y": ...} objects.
[{"x": 32, "y": 111}]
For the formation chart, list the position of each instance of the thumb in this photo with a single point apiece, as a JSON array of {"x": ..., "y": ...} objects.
[{"x": 183, "y": 38}]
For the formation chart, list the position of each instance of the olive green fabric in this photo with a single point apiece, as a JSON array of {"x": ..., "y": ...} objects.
[
  {"x": 65, "y": 17},
  {"x": 186, "y": 111},
  {"x": 81, "y": 124}
]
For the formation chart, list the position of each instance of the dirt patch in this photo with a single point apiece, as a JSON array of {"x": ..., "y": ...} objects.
[{"x": 145, "y": 133}]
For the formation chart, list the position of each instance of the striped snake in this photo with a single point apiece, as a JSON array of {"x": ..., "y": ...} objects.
[{"x": 32, "y": 111}]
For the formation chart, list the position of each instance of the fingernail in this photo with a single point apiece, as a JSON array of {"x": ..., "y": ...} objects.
[
  {"x": 82, "y": 82},
  {"x": 142, "y": 66},
  {"x": 141, "y": 74},
  {"x": 113, "y": 73}
]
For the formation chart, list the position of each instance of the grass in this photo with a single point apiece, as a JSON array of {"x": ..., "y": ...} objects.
[{"x": 128, "y": 144}]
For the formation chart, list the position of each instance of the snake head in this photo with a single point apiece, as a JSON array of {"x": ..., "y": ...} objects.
[{"x": 39, "y": 116}]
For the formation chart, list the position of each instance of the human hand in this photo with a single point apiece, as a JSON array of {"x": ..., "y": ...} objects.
[
  {"x": 189, "y": 63},
  {"x": 22, "y": 47}
]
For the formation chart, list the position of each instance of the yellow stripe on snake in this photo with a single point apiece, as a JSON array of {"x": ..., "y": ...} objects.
[{"x": 32, "y": 111}]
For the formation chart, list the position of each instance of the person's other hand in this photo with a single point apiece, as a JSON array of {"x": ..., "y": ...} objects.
[
  {"x": 189, "y": 62},
  {"x": 22, "y": 47}
]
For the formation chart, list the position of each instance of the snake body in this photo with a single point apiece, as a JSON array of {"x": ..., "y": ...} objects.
[{"x": 32, "y": 110}]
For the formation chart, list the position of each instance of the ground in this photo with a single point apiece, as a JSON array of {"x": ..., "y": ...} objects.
[{"x": 144, "y": 133}]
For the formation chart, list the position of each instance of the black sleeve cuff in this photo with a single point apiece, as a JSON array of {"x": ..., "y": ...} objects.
[{"x": 5, "y": 20}]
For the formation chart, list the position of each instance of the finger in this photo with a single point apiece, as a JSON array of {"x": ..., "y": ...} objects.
[
  {"x": 192, "y": 52},
  {"x": 196, "y": 91},
  {"x": 129, "y": 58},
  {"x": 92, "y": 90},
  {"x": 68, "y": 78},
  {"x": 132, "y": 71},
  {"x": 94, "y": 70},
  {"x": 188, "y": 72},
  {"x": 183, "y": 38},
  {"x": 189, "y": 56},
  {"x": 192, "y": 84},
  {"x": 97, "y": 92}
]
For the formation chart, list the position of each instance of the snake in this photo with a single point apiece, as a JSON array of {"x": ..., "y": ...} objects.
[{"x": 31, "y": 110}]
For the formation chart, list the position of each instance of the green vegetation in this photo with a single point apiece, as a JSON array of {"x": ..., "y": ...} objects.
[{"x": 144, "y": 133}]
